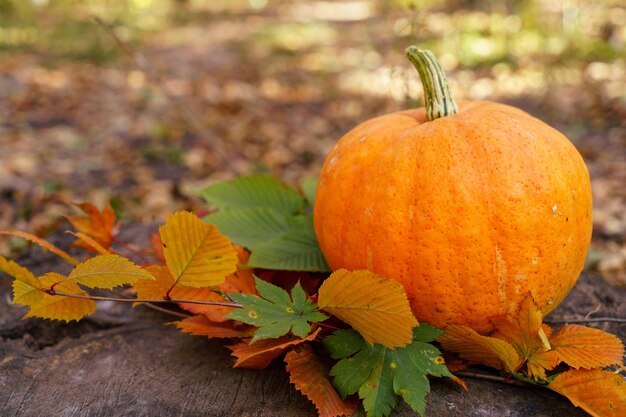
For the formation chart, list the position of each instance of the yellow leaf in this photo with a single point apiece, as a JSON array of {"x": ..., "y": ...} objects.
[
  {"x": 584, "y": 347},
  {"x": 600, "y": 393},
  {"x": 44, "y": 244},
  {"x": 310, "y": 376},
  {"x": 197, "y": 254},
  {"x": 485, "y": 350},
  {"x": 107, "y": 271},
  {"x": 524, "y": 331},
  {"x": 57, "y": 307},
  {"x": 24, "y": 282},
  {"x": 375, "y": 306}
]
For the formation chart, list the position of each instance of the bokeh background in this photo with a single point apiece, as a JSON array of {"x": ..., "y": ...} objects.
[{"x": 140, "y": 102}]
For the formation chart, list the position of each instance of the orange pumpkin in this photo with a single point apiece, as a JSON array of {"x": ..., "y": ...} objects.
[{"x": 470, "y": 208}]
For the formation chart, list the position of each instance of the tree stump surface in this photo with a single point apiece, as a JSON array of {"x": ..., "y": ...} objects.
[{"x": 124, "y": 362}]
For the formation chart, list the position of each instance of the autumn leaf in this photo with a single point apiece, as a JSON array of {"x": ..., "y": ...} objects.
[
  {"x": 196, "y": 254},
  {"x": 375, "y": 306},
  {"x": 24, "y": 281},
  {"x": 379, "y": 374},
  {"x": 524, "y": 330},
  {"x": 584, "y": 347},
  {"x": 201, "y": 326},
  {"x": 259, "y": 354},
  {"x": 44, "y": 244},
  {"x": 157, "y": 247},
  {"x": 600, "y": 393},
  {"x": 95, "y": 246},
  {"x": 101, "y": 226},
  {"x": 107, "y": 271},
  {"x": 275, "y": 313},
  {"x": 310, "y": 376},
  {"x": 471, "y": 346},
  {"x": 29, "y": 292}
]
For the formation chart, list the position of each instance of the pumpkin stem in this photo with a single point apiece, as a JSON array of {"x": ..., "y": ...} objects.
[{"x": 437, "y": 95}]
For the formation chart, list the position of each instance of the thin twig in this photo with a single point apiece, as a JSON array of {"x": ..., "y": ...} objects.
[
  {"x": 494, "y": 378},
  {"x": 142, "y": 300},
  {"x": 589, "y": 320},
  {"x": 189, "y": 116},
  {"x": 167, "y": 311}
]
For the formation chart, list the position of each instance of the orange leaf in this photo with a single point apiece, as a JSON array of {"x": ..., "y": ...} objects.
[
  {"x": 201, "y": 326},
  {"x": 485, "y": 350},
  {"x": 157, "y": 247},
  {"x": 524, "y": 331},
  {"x": 584, "y": 347},
  {"x": 310, "y": 376},
  {"x": 157, "y": 288},
  {"x": 262, "y": 352},
  {"x": 44, "y": 244},
  {"x": 541, "y": 362},
  {"x": 99, "y": 225},
  {"x": 375, "y": 306},
  {"x": 95, "y": 246},
  {"x": 600, "y": 393},
  {"x": 197, "y": 254}
]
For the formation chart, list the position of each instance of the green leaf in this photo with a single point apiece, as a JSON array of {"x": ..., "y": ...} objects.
[
  {"x": 254, "y": 191},
  {"x": 275, "y": 313},
  {"x": 293, "y": 251},
  {"x": 250, "y": 226},
  {"x": 377, "y": 373},
  {"x": 309, "y": 186}
]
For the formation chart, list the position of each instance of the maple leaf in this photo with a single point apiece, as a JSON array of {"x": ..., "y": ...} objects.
[
  {"x": 107, "y": 271},
  {"x": 310, "y": 376},
  {"x": 28, "y": 290},
  {"x": 197, "y": 254},
  {"x": 44, "y": 244},
  {"x": 95, "y": 246},
  {"x": 379, "y": 374},
  {"x": 375, "y": 306},
  {"x": 101, "y": 226},
  {"x": 258, "y": 355},
  {"x": 584, "y": 347},
  {"x": 275, "y": 313},
  {"x": 600, "y": 393},
  {"x": 473, "y": 347},
  {"x": 201, "y": 326}
]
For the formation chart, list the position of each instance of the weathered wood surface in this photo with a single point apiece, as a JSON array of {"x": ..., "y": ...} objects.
[{"x": 124, "y": 362}]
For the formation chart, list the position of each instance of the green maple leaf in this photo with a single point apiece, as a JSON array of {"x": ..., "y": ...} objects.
[
  {"x": 275, "y": 313},
  {"x": 379, "y": 374}
]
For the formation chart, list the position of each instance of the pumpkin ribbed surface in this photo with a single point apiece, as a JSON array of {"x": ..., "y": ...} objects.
[{"x": 470, "y": 212}]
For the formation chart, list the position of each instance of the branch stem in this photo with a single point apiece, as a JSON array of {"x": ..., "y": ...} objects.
[
  {"x": 589, "y": 320},
  {"x": 143, "y": 300}
]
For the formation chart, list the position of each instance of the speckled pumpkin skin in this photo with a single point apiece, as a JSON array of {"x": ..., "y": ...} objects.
[{"x": 470, "y": 212}]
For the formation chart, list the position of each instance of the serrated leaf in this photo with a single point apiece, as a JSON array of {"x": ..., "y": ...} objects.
[
  {"x": 274, "y": 312},
  {"x": 24, "y": 282},
  {"x": 584, "y": 347},
  {"x": 258, "y": 355},
  {"x": 375, "y": 306},
  {"x": 471, "y": 346},
  {"x": 600, "y": 393},
  {"x": 101, "y": 226},
  {"x": 44, "y": 244},
  {"x": 309, "y": 187},
  {"x": 107, "y": 271},
  {"x": 292, "y": 251},
  {"x": 196, "y": 254},
  {"x": 310, "y": 376},
  {"x": 56, "y": 307},
  {"x": 254, "y": 191},
  {"x": 379, "y": 374},
  {"x": 201, "y": 326}
]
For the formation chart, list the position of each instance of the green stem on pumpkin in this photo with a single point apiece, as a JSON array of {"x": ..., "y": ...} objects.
[{"x": 437, "y": 95}]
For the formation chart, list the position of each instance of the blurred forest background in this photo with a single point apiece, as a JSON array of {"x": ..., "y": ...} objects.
[{"x": 140, "y": 102}]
